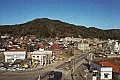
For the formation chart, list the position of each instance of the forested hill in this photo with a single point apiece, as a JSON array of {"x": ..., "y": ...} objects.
[{"x": 45, "y": 27}]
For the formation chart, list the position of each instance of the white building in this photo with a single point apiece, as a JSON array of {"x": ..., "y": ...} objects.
[
  {"x": 12, "y": 55},
  {"x": 83, "y": 45},
  {"x": 44, "y": 57},
  {"x": 101, "y": 72},
  {"x": 72, "y": 39},
  {"x": 94, "y": 78},
  {"x": 116, "y": 46},
  {"x": 113, "y": 46},
  {"x": 4, "y": 36},
  {"x": 106, "y": 73}
]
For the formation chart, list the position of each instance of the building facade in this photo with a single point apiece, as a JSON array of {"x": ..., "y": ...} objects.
[
  {"x": 44, "y": 57},
  {"x": 106, "y": 73},
  {"x": 83, "y": 45},
  {"x": 12, "y": 55}
]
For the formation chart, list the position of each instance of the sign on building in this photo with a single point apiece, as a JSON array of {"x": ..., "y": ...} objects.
[{"x": 106, "y": 73}]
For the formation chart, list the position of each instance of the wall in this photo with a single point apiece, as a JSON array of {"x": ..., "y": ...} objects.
[{"x": 14, "y": 55}]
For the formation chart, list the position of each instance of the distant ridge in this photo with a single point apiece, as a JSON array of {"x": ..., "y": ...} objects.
[{"x": 44, "y": 27}]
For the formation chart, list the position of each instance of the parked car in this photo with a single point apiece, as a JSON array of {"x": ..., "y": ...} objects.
[
  {"x": 11, "y": 69},
  {"x": 2, "y": 68},
  {"x": 1, "y": 64},
  {"x": 54, "y": 75}
]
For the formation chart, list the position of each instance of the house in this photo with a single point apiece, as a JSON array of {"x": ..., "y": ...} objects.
[
  {"x": 44, "y": 57},
  {"x": 115, "y": 67},
  {"x": 12, "y": 47},
  {"x": 4, "y": 36},
  {"x": 12, "y": 55},
  {"x": 102, "y": 70},
  {"x": 69, "y": 39},
  {"x": 55, "y": 47}
]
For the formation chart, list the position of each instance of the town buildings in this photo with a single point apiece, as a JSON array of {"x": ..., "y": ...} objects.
[{"x": 12, "y": 55}]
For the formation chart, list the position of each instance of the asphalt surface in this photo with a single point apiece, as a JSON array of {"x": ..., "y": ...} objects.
[
  {"x": 18, "y": 76},
  {"x": 66, "y": 66}
]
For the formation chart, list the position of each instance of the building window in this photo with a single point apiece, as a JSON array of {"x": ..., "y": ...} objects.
[
  {"x": 37, "y": 56},
  {"x": 33, "y": 56},
  {"x": 106, "y": 75}
]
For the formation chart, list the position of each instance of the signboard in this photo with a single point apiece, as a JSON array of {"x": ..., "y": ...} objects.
[{"x": 106, "y": 73}]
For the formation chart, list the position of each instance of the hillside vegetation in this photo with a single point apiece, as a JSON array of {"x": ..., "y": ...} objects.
[{"x": 45, "y": 27}]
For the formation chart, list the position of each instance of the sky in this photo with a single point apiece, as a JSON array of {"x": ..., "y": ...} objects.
[{"x": 103, "y": 14}]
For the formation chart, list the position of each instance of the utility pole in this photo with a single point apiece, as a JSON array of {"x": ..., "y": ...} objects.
[
  {"x": 73, "y": 61},
  {"x": 74, "y": 57},
  {"x": 39, "y": 77}
]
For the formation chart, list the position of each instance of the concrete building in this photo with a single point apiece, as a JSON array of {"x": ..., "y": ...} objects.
[
  {"x": 111, "y": 47},
  {"x": 83, "y": 45},
  {"x": 106, "y": 73},
  {"x": 116, "y": 47},
  {"x": 102, "y": 70},
  {"x": 12, "y": 55},
  {"x": 72, "y": 39},
  {"x": 108, "y": 70},
  {"x": 44, "y": 57}
]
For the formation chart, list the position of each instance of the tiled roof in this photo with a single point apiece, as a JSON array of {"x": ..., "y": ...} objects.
[
  {"x": 16, "y": 50},
  {"x": 115, "y": 67},
  {"x": 55, "y": 47}
]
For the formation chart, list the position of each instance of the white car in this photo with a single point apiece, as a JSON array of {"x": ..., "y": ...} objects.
[
  {"x": 11, "y": 69},
  {"x": 2, "y": 68}
]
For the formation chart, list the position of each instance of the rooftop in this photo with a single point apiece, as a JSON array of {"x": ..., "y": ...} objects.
[
  {"x": 106, "y": 63},
  {"x": 16, "y": 50}
]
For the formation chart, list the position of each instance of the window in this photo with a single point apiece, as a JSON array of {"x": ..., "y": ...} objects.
[
  {"x": 37, "y": 56},
  {"x": 10, "y": 60},
  {"x": 106, "y": 75},
  {"x": 33, "y": 56}
]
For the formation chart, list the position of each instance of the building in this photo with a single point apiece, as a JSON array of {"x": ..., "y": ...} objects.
[
  {"x": 102, "y": 71},
  {"x": 113, "y": 46},
  {"x": 83, "y": 45},
  {"x": 69, "y": 39},
  {"x": 106, "y": 73},
  {"x": 12, "y": 55},
  {"x": 44, "y": 57},
  {"x": 116, "y": 47},
  {"x": 55, "y": 47}
]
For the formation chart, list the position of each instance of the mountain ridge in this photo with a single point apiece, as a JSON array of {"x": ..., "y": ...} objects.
[{"x": 45, "y": 27}]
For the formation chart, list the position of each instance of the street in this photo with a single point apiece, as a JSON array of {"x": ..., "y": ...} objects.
[{"x": 66, "y": 67}]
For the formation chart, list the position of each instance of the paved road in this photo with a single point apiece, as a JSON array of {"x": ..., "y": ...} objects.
[
  {"x": 81, "y": 73},
  {"x": 32, "y": 75},
  {"x": 65, "y": 66},
  {"x": 18, "y": 76},
  {"x": 72, "y": 63}
]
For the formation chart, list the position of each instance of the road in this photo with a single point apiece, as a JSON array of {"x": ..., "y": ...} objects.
[
  {"x": 18, "y": 76},
  {"x": 70, "y": 66},
  {"x": 29, "y": 75},
  {"x": 63, "y": 66}
]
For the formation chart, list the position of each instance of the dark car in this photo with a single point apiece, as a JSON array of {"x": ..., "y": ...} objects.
[{"x": 54, "y": 75}]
